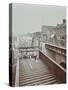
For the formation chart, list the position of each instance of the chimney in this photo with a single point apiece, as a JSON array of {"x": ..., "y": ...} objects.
[{"x": 64, "y": 21}]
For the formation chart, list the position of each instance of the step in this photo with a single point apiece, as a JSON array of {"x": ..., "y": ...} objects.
[
  {"x": 39, "y": 81},
  {"x": 40, "y": 68},
  {"x": 36, "y": 80},
  {"x": 35, "y": 77},
  {"x": 51, "y": 81},
  {"x": 34, "y": 74}
]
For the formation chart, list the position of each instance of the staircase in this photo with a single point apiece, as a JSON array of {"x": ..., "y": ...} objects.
[{"x": 35, "y": 72}]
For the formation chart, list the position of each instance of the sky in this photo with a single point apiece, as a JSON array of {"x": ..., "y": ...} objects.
[{"x": 29, "y": 18}]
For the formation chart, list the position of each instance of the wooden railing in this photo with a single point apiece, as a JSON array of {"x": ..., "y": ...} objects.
[
  {"x": 56, "y": 49},
  {"x": 17, "y": 74},
  {"x": 12, "y": 69},
  {"x": 58, "y": 54},
  {"x": 54, "y": 67},
  {"x": 15, "y": 70}
]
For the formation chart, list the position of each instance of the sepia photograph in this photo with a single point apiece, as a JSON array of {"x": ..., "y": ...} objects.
[{"x": 37, "y": 44}]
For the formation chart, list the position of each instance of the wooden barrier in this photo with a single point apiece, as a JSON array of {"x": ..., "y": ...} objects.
[
  {"x": 55, "y": 68},
  {"x": 56, "y": 49}
]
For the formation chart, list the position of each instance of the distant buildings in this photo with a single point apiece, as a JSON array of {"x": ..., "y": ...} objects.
[
  {"x": 61, "y": 33},
  {"x": 49, "y": 34},
  {"x": 55, "y": 34}
]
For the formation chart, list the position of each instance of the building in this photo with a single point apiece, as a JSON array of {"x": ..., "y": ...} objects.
[
  {"x": 61, "y": 33},
  {"x": 55, "y": 34},
  {"x": 48, "y": 32}
]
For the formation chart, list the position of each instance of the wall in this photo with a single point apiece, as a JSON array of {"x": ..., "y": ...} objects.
[{"x": 55, "y": 68}]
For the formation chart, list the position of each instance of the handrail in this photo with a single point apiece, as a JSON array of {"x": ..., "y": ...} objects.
[
  {"x": 56, "y": 49},
  {"x": 17, "y": 71},
  {"x": 17, "y": 74},
  {"x": 54, "y": 62},
  {"x": 55, "y": 46},
  {"x": 54, "y": 67}
]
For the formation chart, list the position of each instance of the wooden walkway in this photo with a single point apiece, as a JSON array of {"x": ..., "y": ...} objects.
[{"x": 34, "y": 72}]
